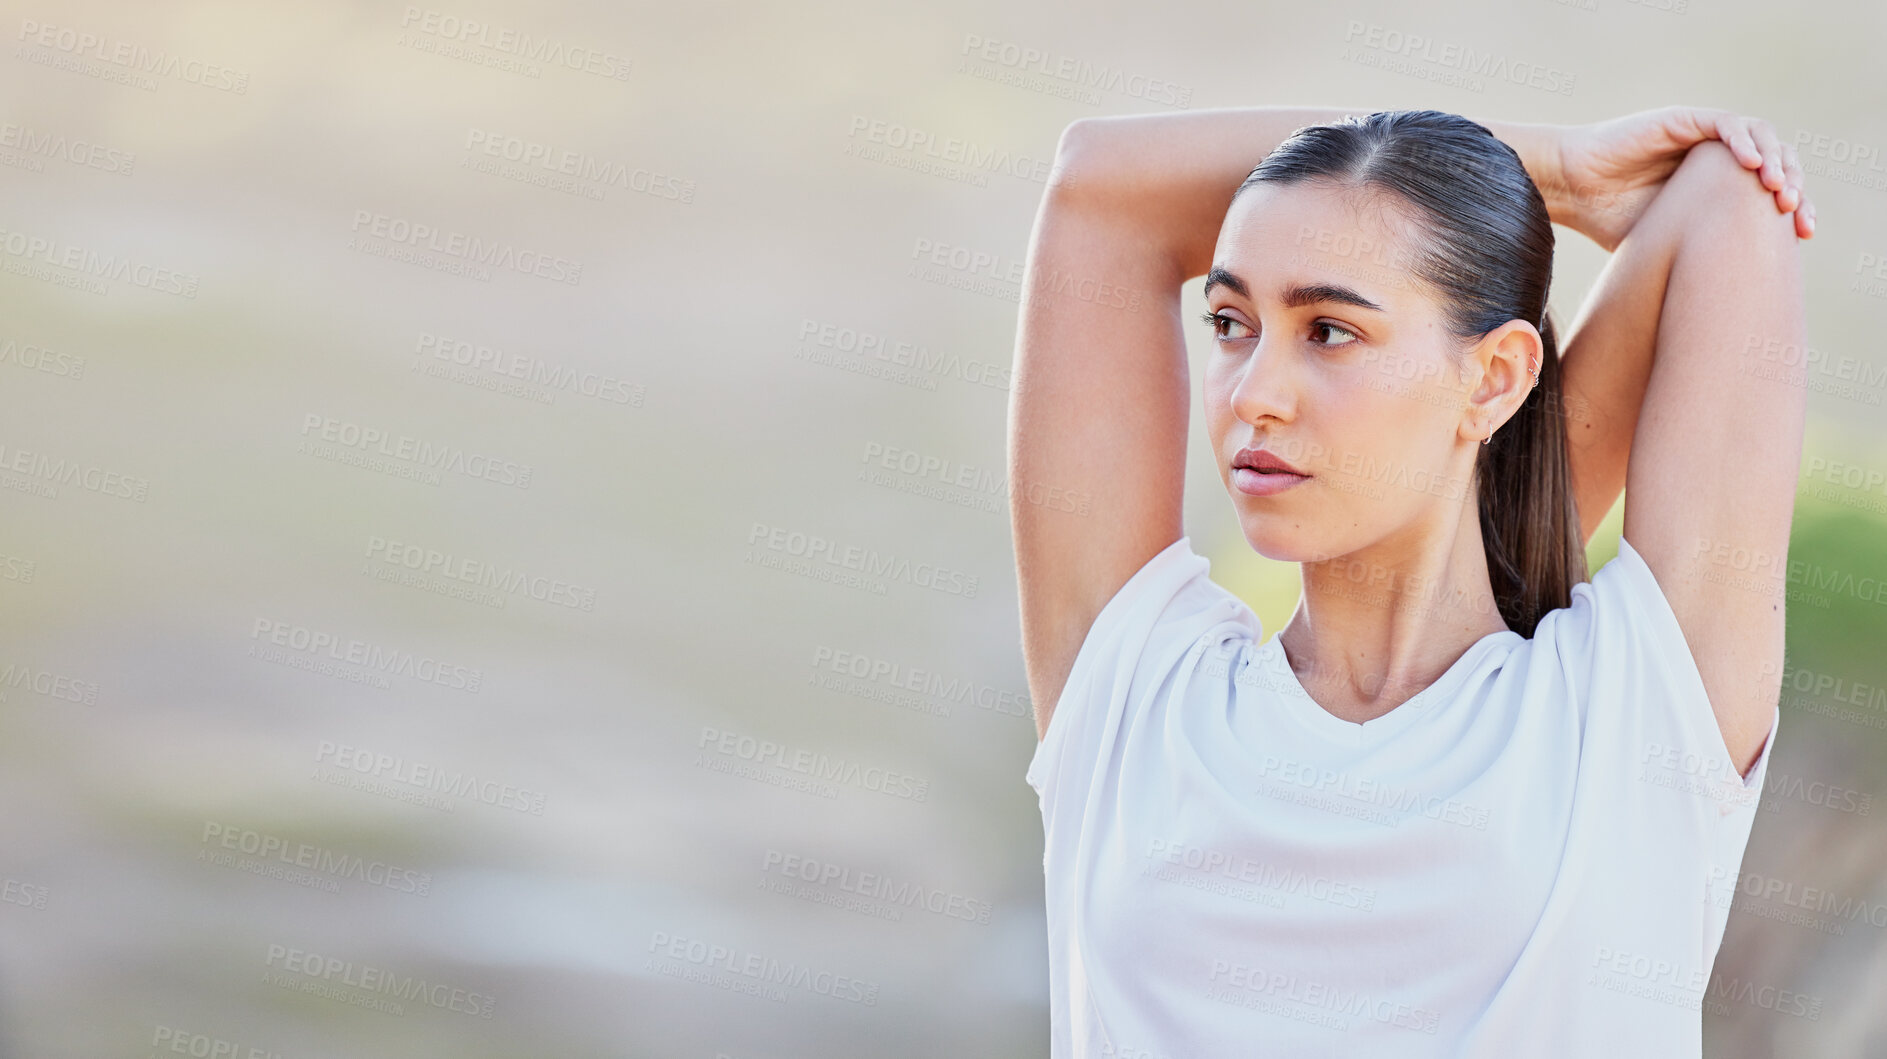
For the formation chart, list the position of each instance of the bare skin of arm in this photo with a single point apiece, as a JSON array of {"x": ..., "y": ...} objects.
[
  {"x": 1606, "y": 356},
  {"x": 1101, "y": 393},
  {"x": 1713, "y": 465}
]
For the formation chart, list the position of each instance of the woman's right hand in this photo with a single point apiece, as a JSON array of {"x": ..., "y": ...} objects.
[{"x": 1611, "y": 170}]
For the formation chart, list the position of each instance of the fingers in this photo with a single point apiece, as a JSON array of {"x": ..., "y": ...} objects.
[
  {"x": 1755, "y": 144},
  {"x": 1782, "y": 171},
  {"x": 1770, "y": 145},
  {"x": 1804, "y": 214},
  {"x": 1689, "y": 126},
  {"x": 1776, "y": 165},
  {"x": 1733, "y": 130},
  {"x": 1798, "y": 201}
]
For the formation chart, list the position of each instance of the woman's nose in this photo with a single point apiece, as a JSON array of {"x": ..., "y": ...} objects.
[{"x": 1266, "y": 388}]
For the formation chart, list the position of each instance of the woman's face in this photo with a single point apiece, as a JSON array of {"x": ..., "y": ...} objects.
[{"x": 1372, "y": 402}]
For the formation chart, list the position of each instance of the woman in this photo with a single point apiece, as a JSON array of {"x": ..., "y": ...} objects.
[{"x": 1467, "y": 801}]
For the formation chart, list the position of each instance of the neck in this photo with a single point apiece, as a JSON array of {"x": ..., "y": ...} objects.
[{"x": 1378, "y": 625}]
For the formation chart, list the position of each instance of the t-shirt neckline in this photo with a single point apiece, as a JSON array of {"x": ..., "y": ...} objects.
[{"x": 1298, "y": 702}]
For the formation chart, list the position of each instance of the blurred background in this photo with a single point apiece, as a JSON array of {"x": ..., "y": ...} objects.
[{"x": 504, "y": 548}]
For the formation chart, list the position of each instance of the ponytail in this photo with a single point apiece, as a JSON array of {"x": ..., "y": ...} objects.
[{"x": 1529, "y": 523}]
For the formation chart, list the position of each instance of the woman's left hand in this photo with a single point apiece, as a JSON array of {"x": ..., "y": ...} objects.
[{"x": 1612, "y": 169}]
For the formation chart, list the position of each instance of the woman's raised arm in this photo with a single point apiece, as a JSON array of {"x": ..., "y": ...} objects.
[
  {"x": 1605, "y": 177},
  {"x": 1710, "y": 485},
  {"x": 1101, "y": 391}
]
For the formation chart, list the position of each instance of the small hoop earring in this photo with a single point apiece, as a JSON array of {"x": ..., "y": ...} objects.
[{"x": 1487, "y": 439}]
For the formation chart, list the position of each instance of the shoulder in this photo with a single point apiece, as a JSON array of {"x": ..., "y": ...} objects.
[
  {"x": 1150, "y": 626},
  {"x": 1620, "y": 654}
]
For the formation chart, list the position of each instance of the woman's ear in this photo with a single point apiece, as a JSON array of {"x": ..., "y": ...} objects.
[{"x": 1509, "y": 359}]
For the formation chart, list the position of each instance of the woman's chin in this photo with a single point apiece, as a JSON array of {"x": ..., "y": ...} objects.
[{"x": 1282, "y": 543}]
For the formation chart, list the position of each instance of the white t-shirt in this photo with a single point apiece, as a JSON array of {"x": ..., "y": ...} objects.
[{"x": 1533, "y": 856}]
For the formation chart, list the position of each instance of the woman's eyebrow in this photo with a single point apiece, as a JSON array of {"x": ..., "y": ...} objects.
[
  {"x": 1312, "y": 293},
  {"x": 1296, "y": 295},
  {"x": 1220, "y": 277}
]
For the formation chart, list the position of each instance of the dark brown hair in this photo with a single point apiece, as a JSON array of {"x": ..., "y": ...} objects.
[{"x": 1486, "y": 251}]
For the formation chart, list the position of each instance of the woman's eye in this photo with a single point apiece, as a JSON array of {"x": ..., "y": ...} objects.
[
  {"x": 1325, "y": 325},
  {"x": 1222, "y": 326},
  {"x": 1228, "y": 329}
]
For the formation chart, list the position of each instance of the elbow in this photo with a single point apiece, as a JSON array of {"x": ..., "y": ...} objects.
[
  {"x": 1082, "y": 156},
  {"x": 1079, "y": 138},
  {"x": 1732, "y": 194},
  {"x": 1732, "y": 222}
]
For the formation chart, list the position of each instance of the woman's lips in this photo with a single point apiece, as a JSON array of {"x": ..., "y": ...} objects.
[
  {"x": 1261, "y": 483},
  {"x": 1257, "y": 472}
]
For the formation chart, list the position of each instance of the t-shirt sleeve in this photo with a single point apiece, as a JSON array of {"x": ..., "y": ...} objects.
[
  {"x": 1647, "y": 718},
  {"x": 1144, "y": 631},
  {"x": 1656, "y": 785}
]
